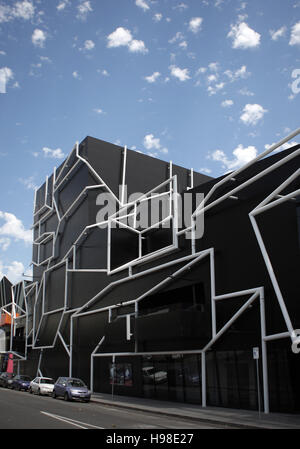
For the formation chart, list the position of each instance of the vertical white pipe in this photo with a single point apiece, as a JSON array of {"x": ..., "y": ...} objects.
[{"x": 203, "y": 378}]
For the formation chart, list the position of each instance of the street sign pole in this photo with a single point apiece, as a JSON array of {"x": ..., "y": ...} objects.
[{"x": 256, "y": 358}]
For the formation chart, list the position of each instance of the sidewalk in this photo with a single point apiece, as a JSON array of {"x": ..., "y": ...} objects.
[{"x": 244, "y": 419}]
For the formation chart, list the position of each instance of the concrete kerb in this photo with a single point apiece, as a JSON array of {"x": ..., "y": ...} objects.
[{"x": 182, "y": 414}]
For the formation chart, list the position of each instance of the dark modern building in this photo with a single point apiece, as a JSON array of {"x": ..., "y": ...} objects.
[{"x": 153, "y": 280}]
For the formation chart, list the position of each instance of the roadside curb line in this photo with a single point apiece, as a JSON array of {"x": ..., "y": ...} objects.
[{"x": 175, "y": 415}]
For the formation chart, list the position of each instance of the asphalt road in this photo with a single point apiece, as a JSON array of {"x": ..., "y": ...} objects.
[{"x": 21, "y": 410}]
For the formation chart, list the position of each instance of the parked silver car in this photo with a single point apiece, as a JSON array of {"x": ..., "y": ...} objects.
[{"x": 42, "y": 385}]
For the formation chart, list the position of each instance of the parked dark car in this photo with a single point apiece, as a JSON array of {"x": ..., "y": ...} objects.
[
  {"x": 21, "y": 382},
  {"x": 5, "y": 378},
  {"x": 71, "y": 388}
]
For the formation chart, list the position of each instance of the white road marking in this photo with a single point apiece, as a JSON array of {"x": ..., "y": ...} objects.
[{"x": 71, "y": 421}]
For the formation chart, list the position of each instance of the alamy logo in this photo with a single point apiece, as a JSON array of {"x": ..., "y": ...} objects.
[
  {"x": 143, "y": 213},
  {"x": 295, "y": 86}
]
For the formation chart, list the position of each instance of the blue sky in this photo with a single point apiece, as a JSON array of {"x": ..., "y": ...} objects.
[{"x": 207, "y": 84}]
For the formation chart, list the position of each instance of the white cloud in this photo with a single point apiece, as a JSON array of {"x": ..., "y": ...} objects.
[
  {"x": 245, "y": 91},
  {"x": 195, "y": 24},
  {"x": 24, "y": 10},
  {"x": 243, "y": 36},
  {"x": 212, "y": 90},
  {"x": 295, "y": 34},
  {"x": 21, "y": 10},
  {"x": 122, "y": 37},
  {"x": 83, "y": 9},
  {"x": 89, "y": 45},
  {"x": 142, "y": 4},
  {"x": 285, "y": 146},
  {"x": 14, "y": 228},
  {"x": 4, "y": 243},
  {"x": 76, "y": 75},
  {"x": 178, "y": 36},
  {"x": 212, "y": 78},
  {"x": 99, "y": 111},
  {"x": 157, "y": 17},
  {"x": 62, "y": 5},
  {"x": 13, "y": 272},
  {"x": 152, "y": 78},
  {"x": 227, "y": 103},
  {"x": 213, "y": 66},
  {"x": 241, "y": 157},
  {"x": 239, "y": 73},
  {"x": 136, "y": 46},
  {"x": 181, "y": 74},
  {"x": 6, "y": 74},
  {"x": 38, "y": 38},
  {"x": 5, "y": 13},
  {"x": 252, "y": 113},
  {"x": 205, "y": 170},
  {"x": 181, "y": 6},
  {"x": 28, "y": 183},
  {"x": 275, "y": 35},
  {"x": 54, "y": 154},
  {"x": 153, "y": 143}
]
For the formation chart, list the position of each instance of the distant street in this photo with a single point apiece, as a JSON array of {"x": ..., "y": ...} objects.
[{"x": 21, "y": 410}]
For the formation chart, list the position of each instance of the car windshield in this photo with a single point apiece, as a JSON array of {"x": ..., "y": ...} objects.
[
  {"x": 47, "y": 381},
  {"x": 76, "y": 383},
  {"x": 25, "y": 378}
]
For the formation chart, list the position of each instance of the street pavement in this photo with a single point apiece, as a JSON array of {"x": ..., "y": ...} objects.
[{"x": 239, "y": 419}]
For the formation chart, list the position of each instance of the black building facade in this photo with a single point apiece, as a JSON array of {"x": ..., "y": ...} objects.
[{"x": 153, "y": 280}]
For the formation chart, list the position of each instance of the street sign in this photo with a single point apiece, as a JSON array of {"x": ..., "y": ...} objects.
[{"x": 256, "y": 353}]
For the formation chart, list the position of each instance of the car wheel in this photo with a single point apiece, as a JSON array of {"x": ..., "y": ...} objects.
[
  {"x": 30, "y": 390},
  {"x": 54, "y": 394},
  {"x": 66, "y": 397},
  {"x": 39, "y": 392}
]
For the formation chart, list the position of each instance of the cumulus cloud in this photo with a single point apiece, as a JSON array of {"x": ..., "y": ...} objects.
[
  {"x": 14, "y": 271},
  {"x": 38, "y": 38},
  {"x": 252, "y": 113},
  {"x": 295, "y": 34},
  {"x": 21, "y": 10},
  {"x": 227, "y": 103},
  {"x": 240, "y": 73},
  {"x": 243, "y": 36},
  {"x": 76, "y": 75},
  {"x": 142, "y": 4},
  {"x": 4, "y": 243},
  {"x": 241, "y": 156},
  {"x": 62, "y": 5},
  {"x": 6, "y": 74},
  {"x": 212, "y": 90},
  {"x": 54, "y": 154},
  {"x": 157, "y": 17},
  {"x": 12, "y": 227},
  {"x": 122, "y": 37},
  {"x": 152, "y": 78},
  {"x": 153, "y": 143},
  {"x": 83, "y": 9},
  {"x": 195, "y": 24},
  {"x": 275, "y": 35},
  {"x": 89, "y": 45},
  {"x": 181, "y": 74},
  {"x": 285, "y": 146}
]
